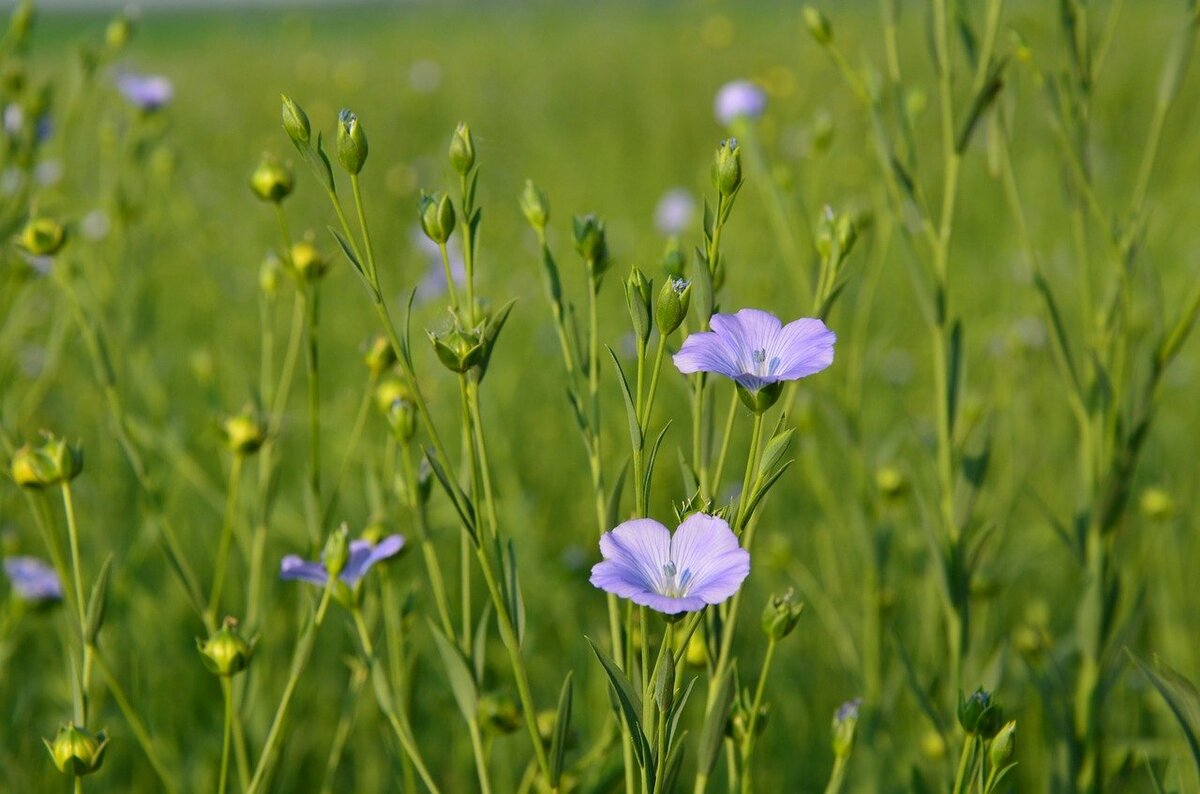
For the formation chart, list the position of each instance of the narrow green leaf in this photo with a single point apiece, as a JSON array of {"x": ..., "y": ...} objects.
[
  {"x": 1181, "y": 697},
  {"x": 98, "y": 602},
  {"x": 635, "y": 428},
  {"x": 761, "y": 493},
  {"x": 629, "y": 703},
  {"x": 648, "y": 475},
  {"x": 462, "y": 682},
  {"x": 562, "y": 727},
  {"x": 777, "y": 447},
  {"x": 713, "y": 730},
  {"x": 614, "y": 499},
  {"x": 466, "y": 512},
  {"x": 954, "y": 371},
  {"x": 479, "y": 645}
]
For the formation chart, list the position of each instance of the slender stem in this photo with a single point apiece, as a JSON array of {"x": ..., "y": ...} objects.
[
  {"x": 345, "y": 725},
  {"x": 659, "y": 351},
  {"x": 965, "y": 762},
  {"x": 235, "y": 476},
  {"x": 743, "y": 513},
  {"x": 665, "y": 656},
  {"x": 356, "y": 431},
  {"x": 837, "y": 776},
  {"x": 226, "y": 740},
  {"x": 433, "y": 566},
  {"x": 144, "y": 739},
  {"x": 73, "y": 540},
  {"x": 311, "y": 316},
  {"x": 729, "y": 417},
  {"x": 450, "y": 279},
  {"x": 756, "y": 705}
]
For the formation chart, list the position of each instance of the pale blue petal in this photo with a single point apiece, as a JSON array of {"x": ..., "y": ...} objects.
[
  {"x": 639, "y": 548},
  {"x": 803, "y": 347},
  {"x": 705, "y": 351},
  {"x": 293, "y": 567},
  {"x": 711, "y": 564}
]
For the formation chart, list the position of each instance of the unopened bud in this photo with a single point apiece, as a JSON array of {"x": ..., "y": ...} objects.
[
  {"x": 462, "y": 150},
  {"x": 272, "y": 180},
  {"x": 534, "y": 205},
  {"x": 76, "y": 751},
  {"x": 673, "y": 301},
  {"x": 637, "y": 299},
  {"x": 118, "y": 32},
  {"x": 244, "y": 433},
  {"x": 592, "y": 243},
  {"x": 380, "y": 355},
  {"x": 395, "y": 402},
  {"x": 437, "y": 217},
  {"x": 337, "y": 551},
  {"x": 781, "y": 615},
  {"x": 1003, "y": 744},
  {"x": 295, "y": 122},
  {"x": 308, "y": 263},
  {"x": 225, "y": 652},
  {"x": 845, "y": 723},
  {"x": 818, "y": 25},
  {"x": 351, "y": 142},
  {"x": 43, "y": 236},
  {"x": 727, "y": 167}
]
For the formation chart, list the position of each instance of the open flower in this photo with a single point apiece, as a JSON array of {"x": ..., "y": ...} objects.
[
  {"x": 363, "y": 555},
  {"x": 737, "y": 100},
  {"x": 758, "y": 352},
  {"x": 147, "y": 92},
  {"x": 32, "y": 579},
  {"x": 700, "y": 564}
]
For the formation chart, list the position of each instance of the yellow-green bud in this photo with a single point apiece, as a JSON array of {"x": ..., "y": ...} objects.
[
  {"x": 308, "y": 262},
  {"x": 592, "y": 243},
  {"x": 295, "y": 121},
  {"x": 727, "y": 167},
  {"x": 380, "y": 355},
  {"x": 781, "y": 615},
  {"x": 1001, "y": 748},
  {"x": 664, "y": 685},
  {"x": 337, "y": 551},
  {"x": 31, "y": 468},
  {"x": 1156, "y": 503},
  {"x": 272, "y": 180},
  {"x": 395, "y": 402},
  {"x": 66, "y": 459},
  {"x": 76, "y": 751},
  {"x": 437, "y": 217},
  {"x": 458, "y": 350},
  {"x": 118, "y": 32},
  {"x": 43, "y": 236},
  {"x": 890, "y": 481},
  {"x": 535, "y": 205},
  {"x": 697, "y": 651},
  {"x": 637, "y": 299},
  {"x": 462, "y": 150},
  {"x": 673, "y": 301},
  {"x": 243, "y": 433},
  {"x": 225, "y": 652},
  {"x": 21, "y": 22},
  {"x": 979, "y": 714},
  {"x": 351, "y": 142},
  {"x": 269, "y": 275},
  {"x": 818, "y": 25},
  {"x": 499, "y": 713}
]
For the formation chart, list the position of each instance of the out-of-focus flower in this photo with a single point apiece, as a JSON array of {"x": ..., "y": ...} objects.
[
  {"x": 739, "y": 99},
  {"x": 363, "y": 556},
  {"x": 32, "y": 579},
  {"x": 95, "y": 225},
  {"x": 146, "y": 92},
  {"x": 14, "y": 119},
  {"x": 675, "y": 211},
  {"x": 845, "y": 720},
  {"x": 425, "y": 76},
  {"x": 433, "y": 284},
  {"x": 48, "y": 172},
  {"x": 700, "y": 564},
  {"x": 759, "y": 353}
]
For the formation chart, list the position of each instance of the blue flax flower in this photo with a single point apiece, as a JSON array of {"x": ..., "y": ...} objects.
[
  {"x": 363, "y": 555},
  {"x": 701, "y": 564},
  {"x": 740, "y": 99},
  {"x": 147, "y": 92},
  {"x": 758, "y": 352},
  {"x": 32, "y": 579}
]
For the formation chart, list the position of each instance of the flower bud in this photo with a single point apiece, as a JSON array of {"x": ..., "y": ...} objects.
[
  {"x": 308, "y": 263},
  {"x": 225, "y": 652},
  {"x": 781, "y": 615},
  {"x": 295, "y": 122},
  {"x": 534, "y": 205},
  {"x": 1001, "y": 748},
  {"x": 31, "y": 468},
  {"x": 244, "y": 433},
  {"x": 457, "y": 349},
  {"x": 499, "y": 713},
  {"x": 637, "y": 298},
  {"x": 664, "y": 684},
  {"x": 66, "y": 460},
  {"x": 591, "y": 243},
  {"x": 672, "y": 307},
  {"x": 337, "y": 551},
  {"x": 818, "y": 25},
  {"x": 979, "y": 714},
  {"x": 739, "y": 722},
  {"x": 272, "y": 180},
  {"x": 21, "y": 22},
  {"x": 395, "y": 401},
  {"x": 890, "y": 481},
  {"x": 76, "y": 751},
  {"x": 351, "y": 142},
  {"x": 462, "y": 150},
  {"x": 727, "y": 167},
  {"x": 380, "y": 355},
  {"x": 437, "y": 217},
  {"x": 845, "y": 721},
  {"x": 1156, "y": 503},
  {"x": 118, "y": 32},
  {"x": 43, "y": 236}
]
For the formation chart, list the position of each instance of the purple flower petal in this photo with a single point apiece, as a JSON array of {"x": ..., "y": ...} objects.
[
  {"x": 708, "y": 557},
  {"x": 363, "y": 556},
  {"x": 804, "y": 347},
  {"x": 739, "y": 99},
  {"x": 32, "y": 579},
  {"x": 146, "y": 91},
  {"x": 634, "y": 554},
  {"x": 674, "y": 211},
  {"x": 705, "y": 351},
  {"x": 293, "y": 567}
]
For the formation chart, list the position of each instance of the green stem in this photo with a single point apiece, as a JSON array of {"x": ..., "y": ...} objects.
[
  {"x": 311, "y": 317},
  {"x": 144, "y": 739},
  {"x": 226, "y": 740},
  {"x": 837, "y": 776},
  {"x": 743, "y": 513},
  {"x": 356, "y": 431},
  {"x": 724, "y": 452},
  {"x": 659, "y": 351},
  {"x": 235, "y": 476},
  {"x": 756, "y": 705},
  {"x": 345, "y": 725},
  {"x": 966, "y": 761},
  {"x": 450, "y": 279}
]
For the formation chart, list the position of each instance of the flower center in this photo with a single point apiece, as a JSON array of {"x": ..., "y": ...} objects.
[
  {"x": 672, "y": 588},
  {"x": 761, "y": 367}
]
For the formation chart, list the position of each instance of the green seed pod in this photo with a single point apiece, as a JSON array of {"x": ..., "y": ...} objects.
[
  {"x": 66, "y": 459},
  {"x": 458, "y": 350},
  {"x": 535, "y": 205},
  {"x": 337, "y": 551},
  {"x": 295, "y": 122},
  {"x": 118, "y": 32},
  {"x": 818, "y": 25},
  {"x": 76, "y": 751},
  {"x": 244, "y": 433},
  {"x": 673, "y": 301},
  {"x": 637, "y": 299},
  {"x": 890, "y": 481},
  {"x": 727, "y": 167},
  {"x": 308, "y": 263},
  {"x": 462, "y": 150},
  {"x": 43, "y": 237},
  {"x": 351, "y": 142},
  {"x": 380, "y": 355},
  {"x": 979, "y": 714},
  {"x": 781, "y": 615},
  {"x": 592, "y": 243},
  {"x": 225, "y": 652},
  {"x": 437, "y": 217},
  {"x": 664, "y": 685},
  {"x": 272, "y": 180},
  {"x": 1003, "y": 744}
]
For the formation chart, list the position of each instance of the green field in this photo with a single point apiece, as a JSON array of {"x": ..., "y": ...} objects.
[{"x": 1048, "y": 466}]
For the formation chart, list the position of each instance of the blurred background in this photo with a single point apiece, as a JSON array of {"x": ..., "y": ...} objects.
[{"x": 607, "y": 106}]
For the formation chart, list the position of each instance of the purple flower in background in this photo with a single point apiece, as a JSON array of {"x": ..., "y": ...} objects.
[
  {"x": 32, "y": 579},
  {"x": 701, "y": 564},
  {"x": 848, "y": 710},
  {"x": 363, "y": 556},
  {"x": 739, "y": 99},
  {"x": 433, "y": 283},
  {"x": 14, "y": 119},
  {"x": 754, "y": 349},
  {"x": 674, "y": 211},
  {"x": 147, "y": 92}
]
